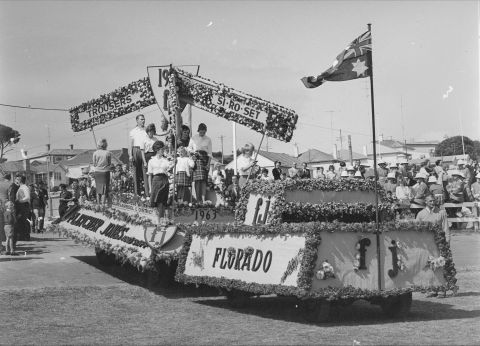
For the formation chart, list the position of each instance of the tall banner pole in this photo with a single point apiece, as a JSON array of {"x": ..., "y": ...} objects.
[
  {"x": 256, "y": 155},
  {"x": 234, "y": 135},
  {"x": 377, "y": 226}
]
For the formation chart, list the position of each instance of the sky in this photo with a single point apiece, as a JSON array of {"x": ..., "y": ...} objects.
[{"x": 60, "y": 54}]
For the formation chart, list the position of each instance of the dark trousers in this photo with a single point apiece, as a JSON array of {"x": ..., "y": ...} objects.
[{"x": 140, "y": 174}]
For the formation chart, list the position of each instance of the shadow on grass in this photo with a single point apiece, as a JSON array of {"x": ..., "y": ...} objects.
[
  {"x": 359, "y": 313},
  {"x": 31, "y": 250},
  {"x": 150, "y": 280}
]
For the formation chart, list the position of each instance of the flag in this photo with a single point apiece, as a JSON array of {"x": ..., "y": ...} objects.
[{"x": 351, "y": 63}]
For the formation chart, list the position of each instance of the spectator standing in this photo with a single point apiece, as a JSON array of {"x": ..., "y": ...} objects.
[
  {"x": 331, "y": 173},
  {"x": 102, "y": 161},
  {"x": 9, "y": 221},
  {"x": 457, "y": 188},
  {"x": 293, "y": 171},
  {"x": 183, "y": 178},
  {"x": 476, "y": 188},
  {"x": 137, "y": 139},
  {"x": 36, "y": 201},
  {"x": 158, "y": 167},
  {"x": 44, "y": 198},
  {"x": 382, "y": 171},
  {"x": 4, "y": 187},
  {"x": 305, "y": 172},
  {"x": 435, "y": 189},
  {"x": 277, "y": 171},
  {"x": 12, "y": 190},
  {"x": 22, "y": 204}
]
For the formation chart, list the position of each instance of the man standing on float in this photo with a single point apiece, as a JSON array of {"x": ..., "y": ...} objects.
[{"x": 137, "y": 138}]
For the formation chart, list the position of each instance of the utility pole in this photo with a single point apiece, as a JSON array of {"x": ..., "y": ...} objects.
[
  {"x": 341, "y": 143},
  {"x": 50, "y": 206},
  {"x": 221, "y": 141},
  {"x": 331, "y": 126},
  {"x": 350, "y": 152}
]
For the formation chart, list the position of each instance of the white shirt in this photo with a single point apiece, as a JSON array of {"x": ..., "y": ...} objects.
[
  {"x": 200, "y": 143},
  {"x": 158, "y": 165},
  {"x": 148, "y": 144},
  {"x": 243, "y": 162},
  {"x": 23, "y": 194},
  {"x": 138, "y": 136},
  {"x": 184, "y": 164},
  {"x": 217, "y": 178}
]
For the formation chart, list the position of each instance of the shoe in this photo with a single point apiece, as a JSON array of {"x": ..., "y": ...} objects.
[{"x": 6, "y": 253}]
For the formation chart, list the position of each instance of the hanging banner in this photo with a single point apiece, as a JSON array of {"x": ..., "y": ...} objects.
[
  {"x": 124, "y": 100},
  {"x": 251, "y": 111}
]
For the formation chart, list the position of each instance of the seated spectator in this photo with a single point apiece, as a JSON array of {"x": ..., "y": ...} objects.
[
  {"x": 344, "y": 175},
  {"x": 435, "y": 189},
  {"x": 391, "y": 184},
  {"x": 420, "y": 190},
  {"x": 82, "y": 198},
  {"x": 283, "y": 176},
  {"x": 403, "y": 192},
  {"x": 457, "y": 188},
  {"x": 433, "y": 214},
  {"x": 293, "y": 171},
  {"x": 318, "y": 173}
]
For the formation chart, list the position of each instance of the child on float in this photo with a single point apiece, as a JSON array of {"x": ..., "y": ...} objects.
[
  {"x": 158, "y": 168},
  {"x": 9, "y": 221},
  {"x": 147, "y": 150},
  {"x": 183, "y": 178},
  {"x": 200, "y": 175}
]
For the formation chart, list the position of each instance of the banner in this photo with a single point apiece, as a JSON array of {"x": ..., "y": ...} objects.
[
  {"x": 124, "y": 100},
  {"x": 251, "y": 111}
]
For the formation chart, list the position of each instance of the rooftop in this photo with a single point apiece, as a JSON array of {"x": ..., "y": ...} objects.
[{"x": 314, "y": 155}]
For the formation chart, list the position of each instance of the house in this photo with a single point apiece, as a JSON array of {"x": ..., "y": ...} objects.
[
  {"x": 316, "y": 158},
  {"x": 422, "y": 149},
  {"x": 36, "y": 172},
  {"x": 77, "y": 165},
  {"x": 344, "y": 155}
]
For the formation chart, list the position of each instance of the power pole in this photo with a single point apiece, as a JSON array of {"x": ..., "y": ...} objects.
[
  {"x": 350, "y": 152},
  {"x": 221, "y": 141}
]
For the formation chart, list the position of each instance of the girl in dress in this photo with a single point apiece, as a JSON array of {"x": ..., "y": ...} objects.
[
  {"x": 246, "y": 164},
  {"x": 200, "y": 175},
  {"x": 158, "y": 166},
  {"x": 182, "y": 175},
  {"x": 147, "y": 150}
]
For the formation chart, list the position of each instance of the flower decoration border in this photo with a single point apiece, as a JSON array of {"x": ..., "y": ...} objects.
[
  {"x": 141, "y": 86},
  {"x": 278, "y": 188},
  {"x": 313, "y": 231}
]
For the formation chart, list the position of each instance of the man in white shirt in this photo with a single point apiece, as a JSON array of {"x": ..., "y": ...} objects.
[
  {"x": 433, "y": 214},
  {"x": 22, "y": 206},
  {"x": 138, "y": 136},
  {"x": 293, "y": 171}
]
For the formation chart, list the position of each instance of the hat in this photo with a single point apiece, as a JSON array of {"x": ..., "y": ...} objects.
[
  {"x": 344, "y": 174},
  {"x": 403, "y": 161},
  {"x": 391, "y": 176},
  {"x": 350, "y": 168},
  {"x": 458, "y": 173},
  {"x": 381, "y": 162},
  {"x": 432, "y": 179},
  {"x": 393, "y": 165},
  {"x": 461, "y": 162},
  {"x": 477, "y": 176},
  {"x": 358, "y": 174},
  {"x": 419, "y": 176}
]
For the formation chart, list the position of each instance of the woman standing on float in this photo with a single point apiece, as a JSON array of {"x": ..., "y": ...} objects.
[
  {"x": 158, "y": 167},
  {"x": 102, "y": 162}
]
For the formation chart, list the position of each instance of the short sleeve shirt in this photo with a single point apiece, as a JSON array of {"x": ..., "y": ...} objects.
[
  {"x": 158, "y": 165},
  {"x": 138, "y": 136}
]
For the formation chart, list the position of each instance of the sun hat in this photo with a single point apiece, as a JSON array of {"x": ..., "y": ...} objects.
[
  {"x": 432, "y": 179},
  {"x": 391, "y": 176},
  {"x": 419, "y": 176},
  {"x": 458, "y": 173},
  {"x": 461, "y": 162},
  {"x": 381, "y": 162},
  {"x": 344, "y": 174},
  {"x": 393, "y": 165},
  {"x": 477, "y": 176},
  {"x": 358, "y": 174}
]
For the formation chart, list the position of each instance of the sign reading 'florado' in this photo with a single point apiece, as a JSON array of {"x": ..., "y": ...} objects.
[{"x": 240, "y": 259}]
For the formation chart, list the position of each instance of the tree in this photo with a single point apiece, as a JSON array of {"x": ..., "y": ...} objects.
[
  {"x": 453, "y": 146},
  {"x": 8, "y": 137}
]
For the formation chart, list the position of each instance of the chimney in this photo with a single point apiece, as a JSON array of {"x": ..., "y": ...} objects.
[
  {"x": 48, "y": 147},
  {"x": 335, "y": 153},
  {"x": 365, "y": 150},
  {"x": 380, "y": 138},
  {"x": 71, "y": 146},
  {"x": 295, "y": 150}
]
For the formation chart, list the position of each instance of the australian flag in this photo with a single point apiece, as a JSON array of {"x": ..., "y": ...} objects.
[{"x": 351, "y": 63}]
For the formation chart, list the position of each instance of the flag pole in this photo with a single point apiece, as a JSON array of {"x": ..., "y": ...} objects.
[{"x": 377, "y": 228}]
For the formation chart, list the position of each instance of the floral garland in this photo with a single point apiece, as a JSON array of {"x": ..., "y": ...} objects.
[
  {"x": 312, "y": 233},
  {"x": 113, "y": 103},
  {"x": 278, "y": 188},
  {"x": 280, "y": 122},
  {"x": 115, "y": 214}
]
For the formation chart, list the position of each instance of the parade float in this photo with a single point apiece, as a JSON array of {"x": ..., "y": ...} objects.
[
  {"x": 324, "y": 242},
  {"x": 126, "y": 230}
]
